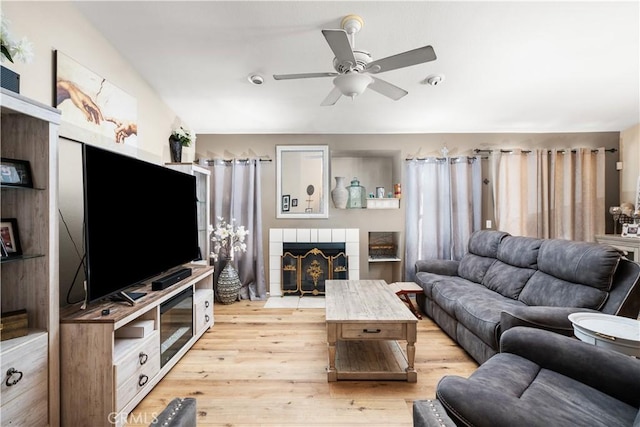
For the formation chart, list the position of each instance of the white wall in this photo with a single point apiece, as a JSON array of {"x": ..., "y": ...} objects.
[{"x": 59, "y": 26}]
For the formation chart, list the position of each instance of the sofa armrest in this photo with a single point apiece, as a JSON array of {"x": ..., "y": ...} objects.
[
  {"x": 446, "y": 267},
  {"x": 178, "y": 413},
  {"x": 554, "y": 319},
  {"x": 613, "y": 373},
  {"x": 430, "y": 413}
]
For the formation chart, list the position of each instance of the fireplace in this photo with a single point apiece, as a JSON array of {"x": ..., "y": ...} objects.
[
  {"x": 279, "y": 237},
  {"x": 306, "y": 266}
]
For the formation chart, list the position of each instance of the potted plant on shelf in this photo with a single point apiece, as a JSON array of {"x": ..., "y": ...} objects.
[
  {"x": 179, "y": 138},
  {"x": 228, "y": 238}
]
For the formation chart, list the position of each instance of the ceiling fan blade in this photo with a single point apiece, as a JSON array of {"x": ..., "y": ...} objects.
[
  {"x": 387, "y": 89},
  {"x": 302, "y": 76},
  {"x": 401, "y": 60},
  {"x": 339, "y": 44},
  {"x": 332, "y": 98}
]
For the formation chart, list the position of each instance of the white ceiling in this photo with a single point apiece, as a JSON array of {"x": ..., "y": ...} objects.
[{"x": 508, "y": 66}]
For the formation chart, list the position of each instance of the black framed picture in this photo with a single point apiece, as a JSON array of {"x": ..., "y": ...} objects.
[
  {"x": 16, "y": 173},
  {"x": 286, "y": 199},
  {"x": 10, "y": 238},
  {"x": 294, "y": 203}
]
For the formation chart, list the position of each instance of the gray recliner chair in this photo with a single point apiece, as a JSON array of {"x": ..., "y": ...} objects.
[{"x": 539, "y": 378}]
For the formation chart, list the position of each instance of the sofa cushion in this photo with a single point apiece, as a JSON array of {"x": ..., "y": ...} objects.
[
  {"x": 506, "y": 279},
  {"x": 519, "y": 251},
  {"x": 485, "y": 242},
  {"x": 446, "y": 293},
  {"x": 528, "y": 395},
  {"x": 543, "y": 289},
  {"x": 587, "y": 263},
  {"x": 427, "y": 280},
  {"x": 474, "y": 267},
  {"x": 480, "y": 312}
]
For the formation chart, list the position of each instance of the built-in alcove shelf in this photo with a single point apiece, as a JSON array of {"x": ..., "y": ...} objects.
[
  {"x": 383, "y": 246},
  {"x": 373, "y": 168}
]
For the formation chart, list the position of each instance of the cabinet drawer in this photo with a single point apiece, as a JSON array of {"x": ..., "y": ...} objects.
[
  {"x": 25, "y": 402},
  {"x": 373, "y": 331},
  {"x": 203, "y": 309},
  {"x": 134, "y": 371}
]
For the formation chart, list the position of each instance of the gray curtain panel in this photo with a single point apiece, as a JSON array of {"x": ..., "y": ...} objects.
[
  {"x": 443, "y": 207},
  {"x": 236, "y": 194}
]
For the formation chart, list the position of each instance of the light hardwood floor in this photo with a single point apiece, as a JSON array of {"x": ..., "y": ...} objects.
[{"x": 266, "y": 367}]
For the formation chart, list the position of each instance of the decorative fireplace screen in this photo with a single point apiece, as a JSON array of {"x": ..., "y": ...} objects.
[{"x": 306, "y": 266}]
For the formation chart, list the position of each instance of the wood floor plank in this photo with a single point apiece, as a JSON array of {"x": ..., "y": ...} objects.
[{"x": 260, "y": 367}]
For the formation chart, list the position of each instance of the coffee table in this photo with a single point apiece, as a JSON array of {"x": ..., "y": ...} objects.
[{"x": 365, "y": 320}]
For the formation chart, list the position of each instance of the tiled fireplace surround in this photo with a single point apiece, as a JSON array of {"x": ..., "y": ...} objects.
[{"x": 277, "y": 236}]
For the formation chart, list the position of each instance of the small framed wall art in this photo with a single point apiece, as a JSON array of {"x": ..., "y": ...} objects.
[
  {"x": 10, "y": 238},
  {"x": 286, "y": 203},
  {"x": 630, "y": 230},
  {"x": 15, "y": 173}
]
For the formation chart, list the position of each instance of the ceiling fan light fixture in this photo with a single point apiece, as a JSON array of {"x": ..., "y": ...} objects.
[{"x": 352, "y": 84}]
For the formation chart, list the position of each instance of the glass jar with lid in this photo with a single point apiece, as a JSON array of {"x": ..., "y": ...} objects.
[{"x": 356, "y": 195}]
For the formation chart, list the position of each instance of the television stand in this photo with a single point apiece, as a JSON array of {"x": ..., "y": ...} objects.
[
  {"x": 110, "y": 362},
  {"x": 128, "y": 297}
]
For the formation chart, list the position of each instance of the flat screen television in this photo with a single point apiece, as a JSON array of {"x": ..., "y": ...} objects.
[{"x": 140, "y": 221}]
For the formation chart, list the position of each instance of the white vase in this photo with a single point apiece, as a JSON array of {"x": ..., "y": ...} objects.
[{"x": 340, "y": 194}]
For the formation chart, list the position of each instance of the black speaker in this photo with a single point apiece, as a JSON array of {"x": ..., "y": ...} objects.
[{"x": 170, "y": 279}]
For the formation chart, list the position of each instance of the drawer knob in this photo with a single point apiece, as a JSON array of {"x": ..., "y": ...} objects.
[
  {"x": 206, "y": 318},
  {"x": 143, "y": 357},
  {"x": 206, "y": 304},
  {"x": 15, "y": 374},
  {"x": 371, "y": 331},
  {"x": 143, "y": 380}
]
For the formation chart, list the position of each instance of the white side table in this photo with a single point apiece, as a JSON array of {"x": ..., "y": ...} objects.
[{"x": 604, "y": 330}]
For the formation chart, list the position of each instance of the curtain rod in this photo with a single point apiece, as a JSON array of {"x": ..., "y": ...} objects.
[
  {"x": 477, "y": 150},
  {"x": 208, "y": 161},
  {"x": 408, "y": 159}
]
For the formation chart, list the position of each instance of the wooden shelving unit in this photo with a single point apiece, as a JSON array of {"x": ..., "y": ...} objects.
[{"x": 30, "y": 396}]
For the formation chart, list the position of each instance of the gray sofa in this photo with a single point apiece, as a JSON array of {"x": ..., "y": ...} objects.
[
  {"x": 539, "y": 378},
  {"x": 505, "y": 281}
]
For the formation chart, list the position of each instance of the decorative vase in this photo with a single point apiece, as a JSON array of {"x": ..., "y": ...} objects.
[
  {"x": 176, "y": 150},
  {"x": 228, "y": 285},
  {"x": 340, "y": 194}
]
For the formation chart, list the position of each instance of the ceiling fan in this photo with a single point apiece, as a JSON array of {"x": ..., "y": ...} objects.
[{"x": 354, "y": 67}]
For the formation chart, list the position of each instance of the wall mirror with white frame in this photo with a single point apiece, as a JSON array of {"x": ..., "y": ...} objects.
[{"x": 302, "y": 181}]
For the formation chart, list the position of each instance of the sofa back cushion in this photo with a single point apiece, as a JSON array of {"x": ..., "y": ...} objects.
[
  {"x": 519, "y": 251},
  {"x": 474, "y": 267},
  {"x": 517, "y": 260},
  {"x": 482, "y": 251},
  {"x": 571, "y": 274},
  {"x": 486, "y": 242},
  {"x": 543, "y": 289},
  {"x": 506, "y": 279},
  {"x": 586, "y": 263}
]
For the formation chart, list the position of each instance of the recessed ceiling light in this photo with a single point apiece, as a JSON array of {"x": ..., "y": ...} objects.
[{"x": 256, "y": 79}]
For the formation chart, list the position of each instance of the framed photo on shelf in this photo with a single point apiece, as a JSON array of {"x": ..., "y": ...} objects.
[
  {"x": 10, "y": 238},
  {"x": 286, "y": 199},
  {"x": 15, "y": 173},
  {"x": 294, "y": 203},
  {"x": 630, "y": 230}
]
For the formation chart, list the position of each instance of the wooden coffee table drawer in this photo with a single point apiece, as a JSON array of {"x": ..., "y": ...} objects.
[{"x": 373, "y": 331}]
